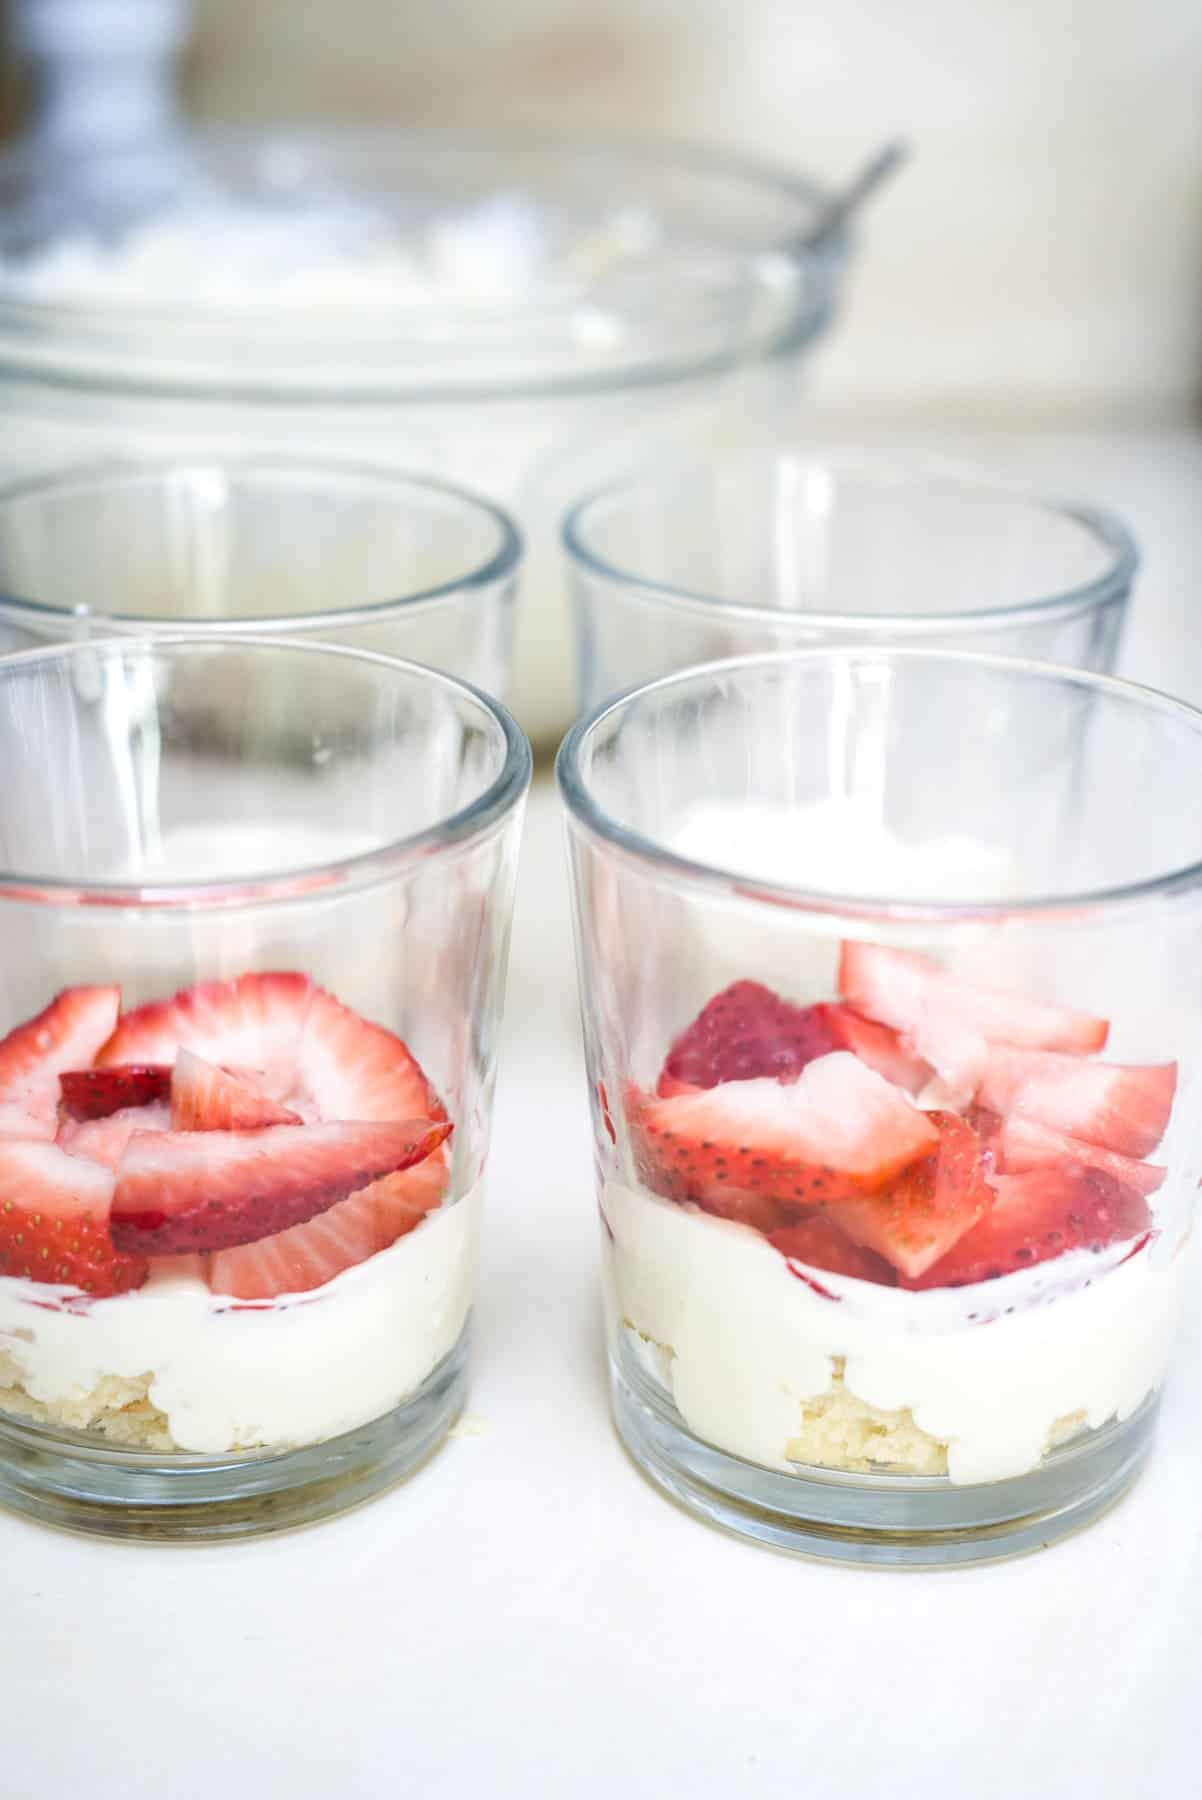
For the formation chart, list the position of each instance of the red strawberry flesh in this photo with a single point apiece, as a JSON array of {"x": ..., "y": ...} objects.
[
  {"x": 184, "y": 1191},
  {"x": 904, "y": 990},
  {"x": 206, "y": 1098},
  {"x": 255, "y": 1020},
  {"x": 105, "y": 1140},
  {"x": 817, "y": 1241},
  {"x": 1038, "y": 1216},
  {"x": 917, "y": 1218},
  {"x": 1021, "y": 1144},
  {"x": 307, "y": 1256},
  {"x": 54, "y": 1221},
  {"x": 64, "y": 1035},
  {"x": 95, "y": 1093},
  {"x": 350, "y": 1068},
  {"x": 747, "y": 1032},
  {"x": 766, "y": 1153},
  {"x": 1118, "y": 1107}
]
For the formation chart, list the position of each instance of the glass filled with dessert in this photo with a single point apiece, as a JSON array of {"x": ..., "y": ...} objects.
[
  {"x": 893, "y": 1017},
  {"x": 254, "y": 912}
]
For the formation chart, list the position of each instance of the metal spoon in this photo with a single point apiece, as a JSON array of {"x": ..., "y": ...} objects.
[{"x": 839, "y": 210}]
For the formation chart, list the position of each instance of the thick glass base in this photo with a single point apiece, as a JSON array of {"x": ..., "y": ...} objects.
[
  {"x": 908, "y": 1521},
  {"x": 74, "y": 1480}
]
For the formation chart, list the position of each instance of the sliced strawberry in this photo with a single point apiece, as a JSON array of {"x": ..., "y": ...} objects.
[
  {"x": 765, "y": 1152},
  {"x": 747, "y": 1031},
  {"x": 919, "y": 1216},
  {"x": 66, "y": 1034},
  {"x": 902, "y": 989},
  {"x": 54, "y": 1221},
  {"x": 255, "y": 1020},
  {"x": 105, "y": 1140},
  {"x": 743, "y": 1033},
  {"x": 1118, "y": 1107},
  {"x": 309, "y": 1255},
  {"x": 818, "y": 1242},
  {"x": 1035, "y": 1217},
  {"x": 205, "y": 1098},
  {"x": 208, "y": 1190},
  {"x": 352, "y": 1069},
  {"x": 1022, "y": 1144},
  {"x": 876, "y": 1045},
  {"x": 94, "y": 1093}
]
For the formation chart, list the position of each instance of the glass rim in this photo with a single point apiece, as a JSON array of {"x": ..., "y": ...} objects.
[
  {"x": 587, "y": 814},
  {"x": 468, "y": 824},
  {"x": 63, "y": 364},
  {"x": 501, "y": 565},
  {"x": 1106, "y": 527}
]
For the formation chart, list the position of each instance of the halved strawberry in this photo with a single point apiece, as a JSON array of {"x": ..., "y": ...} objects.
[
  {"x": 1022, "y": 1144},
  {"x": 766, "y": 1153},
  {"x": 94, "y": 1093},
  {"x": 255, "y": 1020},
  {"x": 205, "y": 1098},
  {"x": 747, "y": 1031},
  {"x": 927, "y": 1209},
  {"x": 105, "y": 1140},
  {"x": 352, "y": 1069},
  {"x": 902, "y": 989},
  {"x": 1116, "y": 1106},
  {"x": 309, "y": 1255},
  {"x": 208, "y": 1190},
  {"x": 54, "y": 1221},
  {"x": 818, "y": 1242},
  {"x": 66, "y": 1034},
  {"x": 1035, "y": 1217}
]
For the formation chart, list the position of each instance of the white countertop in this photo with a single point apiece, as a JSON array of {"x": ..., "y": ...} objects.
[{"x": 528, "y": 1617}]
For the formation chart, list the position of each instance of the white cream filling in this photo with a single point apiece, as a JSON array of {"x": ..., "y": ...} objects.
[
  {"x": 743, "y": 1342},
  {"x": 231, "y": 1375}
]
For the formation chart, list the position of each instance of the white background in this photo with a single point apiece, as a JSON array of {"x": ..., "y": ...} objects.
[{"x": 527, "y": 1617}]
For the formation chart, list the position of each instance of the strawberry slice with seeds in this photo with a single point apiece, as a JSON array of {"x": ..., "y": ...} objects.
[
  {"x": 209, "y": 1190},
  {"x": 902, "y": 989},
  {"x": 747, "y": 1031},
  {"x": 255, "y": 1020},
  {"x": 206, "y": 1098},
  {"x": 918, "y": 1217},
  {"x": 66, "y": 1034},
  {"x": 307, "y": 1256},
  {"x": 105, "y": 1140},
  {"x": 350, "y": 1068},
  {"x": 54, "y": 1221},
  {"x": 767, "y": 1153},
  {"x": 1021, "y": 1144},
  {"x": 1118, "y": 1107},
  {"x": 95, "y": 1093},
  {"x": 1038, "y": 1216},
  {"x": 817, "y": 1242}
]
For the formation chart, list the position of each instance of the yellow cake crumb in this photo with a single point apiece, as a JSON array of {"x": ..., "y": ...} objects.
[{"x": 117, "y": 1409}]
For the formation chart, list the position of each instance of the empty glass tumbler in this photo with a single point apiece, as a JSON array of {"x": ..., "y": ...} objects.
[
  {"x": 254, "y": 916},
  {"x": 262, "y": 546},
  {"x": 761, "y": 550},
  {"x": 893, "y": 1018}
]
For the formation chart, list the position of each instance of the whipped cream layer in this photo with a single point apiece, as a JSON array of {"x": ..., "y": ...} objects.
[
  {"x": 989, "y": 1370},
  {"x": 232, "y": 1375}
]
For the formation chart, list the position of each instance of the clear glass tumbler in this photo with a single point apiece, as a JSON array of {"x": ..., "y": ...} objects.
[
  {"x": 254, "y": 916},
  {"x": 892, "y": 1002},
  {"x": 768, "y": 549},
  {"x": 262, "y": 546}
]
